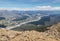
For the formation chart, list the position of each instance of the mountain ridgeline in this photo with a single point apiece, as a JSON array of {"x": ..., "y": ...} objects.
[
  {"x": 14, "y": 17},
  {"x": 48, "y": 20},
  {"x": 19, "y": 14}
]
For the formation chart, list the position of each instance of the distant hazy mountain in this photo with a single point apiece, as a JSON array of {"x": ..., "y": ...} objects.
[
  {"x": 48, "y": 20},
  {"x": 14, "y": 14}
]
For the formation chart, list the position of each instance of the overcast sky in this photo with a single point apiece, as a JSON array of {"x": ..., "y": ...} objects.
[{"x": 30, "y": 4}]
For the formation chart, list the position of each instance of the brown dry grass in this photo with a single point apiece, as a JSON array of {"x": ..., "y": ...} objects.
[{"x": 53, "y": 34}]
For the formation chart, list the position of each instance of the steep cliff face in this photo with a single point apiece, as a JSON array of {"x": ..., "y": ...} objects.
[{"x": 52, "y": 34}]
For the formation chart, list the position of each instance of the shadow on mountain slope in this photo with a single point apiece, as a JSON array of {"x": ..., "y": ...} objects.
[{"x": 28, "y": 27}]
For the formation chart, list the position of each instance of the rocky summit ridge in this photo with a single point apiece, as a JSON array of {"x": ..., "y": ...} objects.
[{"x": 52, "y": 34}]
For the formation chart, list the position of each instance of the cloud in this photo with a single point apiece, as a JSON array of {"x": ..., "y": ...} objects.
[
  {"x": 47, "y": 8},
  {"x": 33, "y": 8},
  {"x": 15, "y": 8}
]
